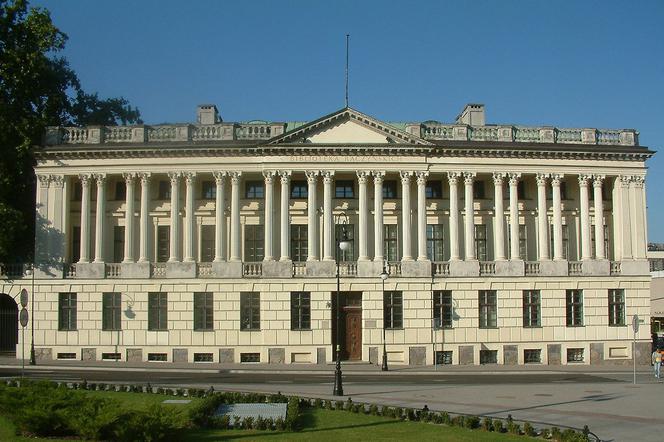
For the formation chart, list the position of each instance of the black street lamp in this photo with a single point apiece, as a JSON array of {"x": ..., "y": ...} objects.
[
  {"x": 343, "y": 244},
  {"x": 33, "y": 360},
  {"x": 383, "y": 276}
]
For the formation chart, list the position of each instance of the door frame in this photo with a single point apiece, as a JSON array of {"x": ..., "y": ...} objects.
[{"x": 350, "y": 301}]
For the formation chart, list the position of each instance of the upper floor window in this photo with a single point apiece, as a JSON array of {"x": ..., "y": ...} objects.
[
  {"x": 254, "y": 190},
  {"x": 120, "y": 190},
  {"x": 488, "y": 309},
  {"x": 478, "y": 189},
  {"x": 112, "y": 311},
  {"x": 254, "y": 243},
  {"x": 574, "y": 308},
  {"x": 208, "y": 190},
  {"x": 616, "y": 307},
  {"x": 434, "y": 190},
  {"x": 250, "y": 311},
  {"x": 299, "y": 190},
  {"x": 299, "y": 242},
  {"x": 300, "y": 311},
  {"x": 77, "y": 193},
  {"x": 521, "y": 190},
  {"x": 164, "y": 190},
  {"x": 442, "y": 309},
  {"x": 390, "y": 189},
  {"x": 435, "y": 242},
  {"x": 67, "y": 311},
  {"x": 531, "y": 308},
  {"x": 390, "y": 242},
  {"x": 393, "y": 310},
  {"x": 344, "y": 189},
  {"x": 480, "y": 242}
]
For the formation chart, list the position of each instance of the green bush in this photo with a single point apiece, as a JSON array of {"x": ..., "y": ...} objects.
[
  {"x": 471, "y": 422},
  {"x": 373, "y": 409},
  {"x": 487, "y": 425},
  {"x": 513, "y": 428},
  {"x": 458, "y": 421},
  {"x": 445, "y": 417},
  {"x": 528, "y": 430},
  {"x": 398, "y": 412},
  {"x": 155, "y": 424},
  {"x": 339, "y": 405},
  {"x": 292, "y": 413},
  {"x": 498, "y": 426}
]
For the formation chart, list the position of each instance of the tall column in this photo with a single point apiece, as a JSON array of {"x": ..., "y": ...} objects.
[
  {"x": 144, "y": 240},
  {"x": 514, "y": 217},
  {"x": 422, "y": 216},
  {"x": 637, "y": 195},
  {"x": 284, "y": 222},
  {"x": 453, "y": 178},
  {"x": 84, "y": 256},
  {"x": 175, "y": 217},
  {"x": 598, "y": 180},
  {"x": 627, "y": 218},
  {"x": 312, "y": 221},
  {"x": 219, "y": 219},
  {"x": 328, "y": 217},
  {"x": 236, "y": 252},
  {"x": 499, "y": 217},
  {"x": 269, "y": 225},
  {"x": 378, "y": 216},
  {"x": 190, "y": 180},
  {"x": 129, "y": 218},
  {"x": 100, "y": 217},
  {"x": 586, "y": 252},
  {"x": 557, "y": 218},
  {"x": 469, "y": 230},
  {"x": 362, "y": 177},
  {"x": 542, "y": 219},
  {"x": 405, "y": 216}
]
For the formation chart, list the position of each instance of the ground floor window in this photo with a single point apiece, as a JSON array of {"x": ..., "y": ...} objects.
[{"x": 488, "y": 356}]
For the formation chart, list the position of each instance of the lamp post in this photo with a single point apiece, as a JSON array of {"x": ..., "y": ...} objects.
[
  {"x": 33, "y": 359},
  {"x": 343, "y": 244},
  {"x": 383, "y": 276}
]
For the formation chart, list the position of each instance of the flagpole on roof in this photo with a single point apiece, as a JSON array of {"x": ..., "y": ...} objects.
[{"x": 347, "y": 39}]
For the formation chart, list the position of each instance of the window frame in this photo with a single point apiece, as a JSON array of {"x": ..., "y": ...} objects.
[
  {"x": 254, "y": 189},
  {"x": 300, "y": 311},
  {"x": 481, "y": 243},
  {"x": 157, "y": 311},
  {"x": 208, "y": 190},
  {"x": 203, "y": 311},
  {"x": 163, "y": 190},
  {"x": 488, "y": 309},
  {"x": 443, "y": 309},
  {"x": 574, "y": 308},
  {"x": 254, "y": 243},
  {"x": 391, "y": 239},
  {"x": 250, "y": 311},
  {"x": 302, "y": 188},
  {"x": 67, "y": 311},
  {"x": 435, "y": 242},
  {"x": 532, "y": 306},
  {"x": 433, "y": 190},
  {"x": 111, "y": 319},
  {"x": 390, "y": 190},
  {"x": 344, "y": 189},
  {"x": 479, "y": 189},
  {"x": 616, "y": 308},
  {"x": 393, "y": 310}
]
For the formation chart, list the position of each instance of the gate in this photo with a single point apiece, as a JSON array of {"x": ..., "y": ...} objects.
[{"x": 8, "y": 324}]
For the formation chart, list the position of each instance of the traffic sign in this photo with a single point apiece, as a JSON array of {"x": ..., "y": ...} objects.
[
  {"x": 24, "y": 298},
  {"x": 635, "y": 323},
  {"x": 23, "y": 317}
]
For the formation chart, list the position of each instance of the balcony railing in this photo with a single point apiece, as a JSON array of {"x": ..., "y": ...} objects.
[
  {"x": 614, "y": 267},
  {"x": 393, "y": 268},
  {"x": 204, "y": 270},
  {"x": 113, "y": 270},
  {"x": 348, "y": 268},
  {"x": 69, "y": 271},
  {"x": 11, "y": 271},
  {"x": 487, "y": 268},
  {"x": 574, "y": 268},
  {"x": 252, "y": 269},
  {"x": 299, "y": 269},
  {"x": 532, "y": 268},
  {"x": 440, "y": 268},
  {"x": 158, "y": 269}
]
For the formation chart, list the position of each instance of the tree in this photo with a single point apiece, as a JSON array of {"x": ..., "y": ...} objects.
[{"x": 37, "y": 89}]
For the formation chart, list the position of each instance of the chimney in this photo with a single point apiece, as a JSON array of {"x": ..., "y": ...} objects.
[
  {"x": 207, "y": 114},
  {"x": 472, "y": 115}
]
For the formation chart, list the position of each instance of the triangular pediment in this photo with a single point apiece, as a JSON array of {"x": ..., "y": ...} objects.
[{"x": 347, "y": 126}]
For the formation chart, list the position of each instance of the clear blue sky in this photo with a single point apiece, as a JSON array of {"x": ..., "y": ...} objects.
[{"x": 568, "y": 63}]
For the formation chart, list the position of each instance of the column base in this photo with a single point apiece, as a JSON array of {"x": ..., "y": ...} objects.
[
  {"x": 277, "y": 269},
  {"x": 464, "y": 268},
  {"x": 230, "y": 269},
  {"x": 321, "y": 269},
  {"x": 180, "y": 270},
  {"x": 416, "y": 269},
  {"x": 369, "y": 269},
  {"x": 92, "y": 270},
  {"x": 138, "y": 270},
  {"x": 510, "y": 268},
  {"x": 593, "y": 267}
]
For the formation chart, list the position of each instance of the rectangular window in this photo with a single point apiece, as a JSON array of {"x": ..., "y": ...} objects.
[
  {"x": 67, "y": 311},
  {"x": 478, "y": 190},
  {"x": 254, "y": 190},
  {"x": 523, "y": 242},
  {"x": 391, "y": 244},
  {"x": 75, "y": 243},
  {"x": 203, "y": 311},
  {"x": 389, "y": 189},
  {"x": 574, "y": 355},
  {"x": 157, "y": 311},
  {"x": 488, "y": 309},
  {"x": 250, "y": 357},
  {"x": 77, "y": 192},
  {"x": 207, "y": 243},
  {"x": 250, "y": 311},
  {"x": 347, "y": 255},
  {"x": 208, "y": 190},
  {"x": 574, "y": 308},
  {"x": 531, "y": 308},
  {"x": 532, "y": 356},
  {"x": 299, "y": 242},
  {"x": 433, "y": 190},
  {"x": 164, "y": 190},
  {"x": 480, "y": 242},
  {"x": 393, "y": 310},
  {"x": 118, "y": 243},
  {"x": 521, "y": 190},
  {"x": 203, "y": 357},
  {"x": 442, "y": 309},
  {"x": 157, "y": 357},
  {"x": 488, "y": 356},
  {"x": 435, "y": 242},
  {"x": 163, "y": 243},
  {"x": 299, "y": 190},
  {"x": 444, "y": 357},
  {"x": 110, "y": 356},
  {"x": 120, "y": 191},
  {"x": 616, "y": 307},
  {"x": 344, "y": 189},
  {"x": 300, "y": 311},
  {"x": 112, "y": 311},
  {"x": 254, "y": 243}
]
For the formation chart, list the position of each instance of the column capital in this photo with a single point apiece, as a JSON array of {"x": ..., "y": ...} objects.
[
  {"x": 468, "y": 177},
  {"x": 327, "y": 176},
  {"x": 285, "y": 176},
  {"x": 422, "y": 177},
  {"x": 378, "y": 175},
  {"x": 405, "y": 177},
  {"x": 556, "y": 179},
  {"x": 638, "y": 180},
  {"x": 498, "y": 178},
  {"x": 235, "y": 177},
  {"x": 362, "y": 176},
  {"x": 269, "y": 176},
  {"x": 625, "y": 180},
  {"x": 514, "y": 178},
  {"x": 44, "y": 180},
  {"x": 453, "y": 177},
  {"x": 129, "y": 177},
  {"x": 219, "y": 176},
  {"x": 312, "y": 176},
  {"x": 174, "y": 176},
  {"x": 598, "y": 180},
  {"x": 541, "y": 178},
  {"x": 189, "y": 177},
  {"x": 144, "y": 176},
  {"x": 583, "y": 180},
  {"x": 100, "y": 177},
  {"x": 85, "y": 178},
  {"x": 57, "y": 181}
]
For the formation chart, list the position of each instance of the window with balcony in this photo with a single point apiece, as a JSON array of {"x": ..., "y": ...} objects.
[
  {"x": 435, "y": 242},
  {"x": 480, "y": 242},
  {"x": 118, "y": 243},
  {"x": 207, "y": 243},
  {"x": 254, "y": 243},
  {"x": 299, "y": 242},
  {"x": 163, "y": 243},
  {"x": 391, "y": 242}
]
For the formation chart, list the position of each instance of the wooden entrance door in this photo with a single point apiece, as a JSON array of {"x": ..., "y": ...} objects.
[
  {"x": 8, "y": 324},
  {"x": 353, "y": 334}
]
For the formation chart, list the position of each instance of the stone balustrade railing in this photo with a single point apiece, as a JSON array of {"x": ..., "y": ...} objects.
[
  {"x": 520, "y": 134},
  {"x": 161, "y": 133}
]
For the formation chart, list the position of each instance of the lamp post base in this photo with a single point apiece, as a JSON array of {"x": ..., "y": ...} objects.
[
  {"x": 384, "y": 366},
  {"x": 33, "y": 360},
  {"x": 338, "y": 385}
]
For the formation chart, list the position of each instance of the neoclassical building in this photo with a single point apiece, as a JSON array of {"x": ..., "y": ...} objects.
[{"x": 217, "y": 242}]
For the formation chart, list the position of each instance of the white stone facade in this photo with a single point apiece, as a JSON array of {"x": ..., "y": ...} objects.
[{"x": 210, "y": 208}]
